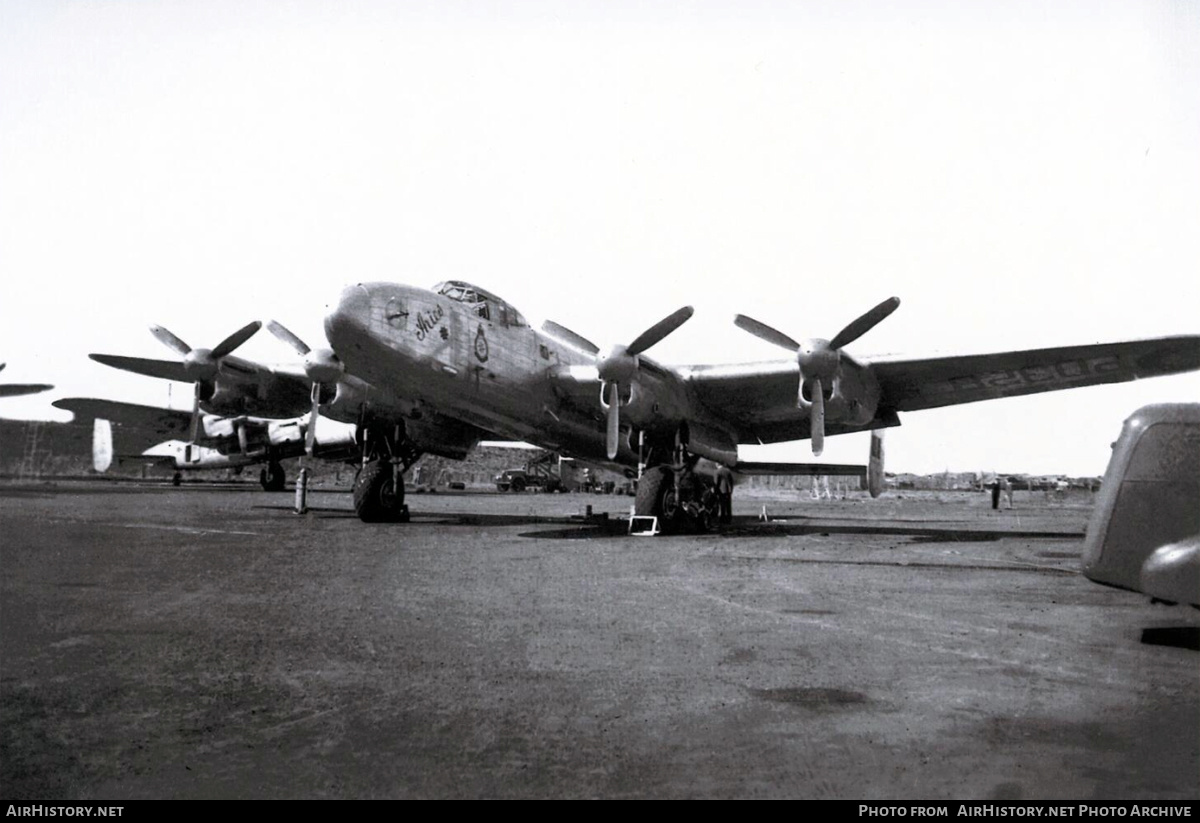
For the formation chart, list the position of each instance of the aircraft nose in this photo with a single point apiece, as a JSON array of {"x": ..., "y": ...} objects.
[{"x": 352, "y": 309}]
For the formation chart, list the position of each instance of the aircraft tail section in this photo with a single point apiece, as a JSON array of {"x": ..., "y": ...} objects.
[{"x": 102, "y": 445}]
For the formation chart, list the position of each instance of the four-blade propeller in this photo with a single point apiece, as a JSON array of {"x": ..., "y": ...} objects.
[
  {"x": 321, "y": 366},
  {"x": 820, "y": 360},
  {"x": 620, "y": 366},
  {"x": 202, "y": 365}
]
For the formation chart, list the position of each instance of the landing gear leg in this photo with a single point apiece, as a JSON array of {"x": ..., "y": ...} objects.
[
  {"x": 379, "y": 487},
  {"x": 681, "y": 499}
]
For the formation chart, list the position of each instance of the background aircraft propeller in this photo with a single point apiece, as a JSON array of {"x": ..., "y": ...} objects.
[
  {"x": 620, "y": 365},
  {"x": 203, "y": 365},
  {"x": 820, "y": 360},
  {"x": 321, "y": 366}
]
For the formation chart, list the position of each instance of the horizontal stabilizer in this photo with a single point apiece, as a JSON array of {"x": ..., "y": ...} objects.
[{"x": 801, "y": 469}]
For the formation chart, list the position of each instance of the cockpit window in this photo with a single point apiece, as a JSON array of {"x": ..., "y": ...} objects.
[{"x": 481, "y": 301}]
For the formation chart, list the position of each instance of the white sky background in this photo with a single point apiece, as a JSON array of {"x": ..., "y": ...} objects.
[{"x": 1019, "y": 174}]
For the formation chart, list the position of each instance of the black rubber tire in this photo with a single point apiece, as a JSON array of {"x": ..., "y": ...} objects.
[
  {"x": 375, "y": 500},
  {"x": 273, "y": 478},
  {"x": 655, "y": 498}
]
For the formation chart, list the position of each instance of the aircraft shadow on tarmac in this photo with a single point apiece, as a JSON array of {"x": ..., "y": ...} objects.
[
  {"x": 1180, "y": 637},
  {"x": 750, "y": 528},
  {"x": 580, "y": 527}
]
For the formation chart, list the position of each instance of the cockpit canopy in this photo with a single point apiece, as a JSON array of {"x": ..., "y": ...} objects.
[{"x": 486, "y": 305}]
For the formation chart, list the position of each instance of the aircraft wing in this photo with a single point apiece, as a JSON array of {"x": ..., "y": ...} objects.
[
  {"x": 165, "y": 369},
  {"x": 167, "y": 424},
  {"x": 909, "y": 385},
  {"x": 18, "y": 389},
  {"x": 759, "y": 399}
]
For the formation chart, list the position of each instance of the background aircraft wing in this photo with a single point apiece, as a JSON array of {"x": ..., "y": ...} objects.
[
  {"x": 17, "y": 389},
  {"x": 909, "y": 385},
  {"x": 166, "y": 424}
]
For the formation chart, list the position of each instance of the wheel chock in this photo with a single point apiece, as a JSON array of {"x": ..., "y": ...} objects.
[{"x": 643, "y": 525}]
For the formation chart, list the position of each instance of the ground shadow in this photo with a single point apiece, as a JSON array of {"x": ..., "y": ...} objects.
[{"x": 1181, "y": 637}]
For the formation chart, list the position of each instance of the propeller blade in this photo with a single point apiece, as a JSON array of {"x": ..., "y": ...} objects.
[
  {"x": 765, "y": 332},
  {"x": 195, "y": 413},
  {"x": 2, "y": 365},
  {"x": 817, "y": 419},
  {"x": 857, "y": 328},
  {"x": 659, "y": 330},
  {"x": 567, "y": 336},
  {"x": 614, "y": 420},
  {"x": 169, "y": 340},
  {"x": 236, "y": 339},
  {"x": 310, "y": 436},
  {"x": 284, "y": 334}
]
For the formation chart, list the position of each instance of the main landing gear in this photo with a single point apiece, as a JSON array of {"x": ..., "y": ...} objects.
[
  {"x": 379, "y": 486},
  {"x": 682, "y": 500}
]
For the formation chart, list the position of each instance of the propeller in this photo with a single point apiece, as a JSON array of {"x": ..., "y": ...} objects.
[
  {"x": 620, "y": 365},
  {"x": 203, "y": 365},
  {"x": 321, "y": 366},
  {"x": 820, "y": 360}
]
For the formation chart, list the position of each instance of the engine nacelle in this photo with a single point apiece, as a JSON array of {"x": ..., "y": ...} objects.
[
  {"x": 853, "y": 397},
  {"x": 284, "y": 432},
  {"x": 718, "y": 446}
]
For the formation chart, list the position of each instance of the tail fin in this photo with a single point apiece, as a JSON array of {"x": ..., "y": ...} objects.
[{"x": 102, "y": 445}]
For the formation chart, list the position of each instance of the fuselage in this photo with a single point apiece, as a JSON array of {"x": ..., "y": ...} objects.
[{"x": 473, "y": 357}]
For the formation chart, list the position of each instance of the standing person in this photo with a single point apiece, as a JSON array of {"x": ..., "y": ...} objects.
[
  {"x": 996, "y": 493},
  {"x": 725, "y": 493},
  {"x": 1007, "y": 486}
]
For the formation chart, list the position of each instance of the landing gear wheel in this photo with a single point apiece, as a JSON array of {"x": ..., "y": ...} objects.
[
  {"x": 272, "y": 477},
  {"x": 656, "y": 498},
  {"x": 378, "y": 498},
  {"x": 177, "y": 479}
]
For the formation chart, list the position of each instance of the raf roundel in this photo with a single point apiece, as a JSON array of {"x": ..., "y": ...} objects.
[{"x": 481, "y": 345}]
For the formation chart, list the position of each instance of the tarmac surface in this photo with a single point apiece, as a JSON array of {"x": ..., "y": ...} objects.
[{"x": 211, "y": 643}]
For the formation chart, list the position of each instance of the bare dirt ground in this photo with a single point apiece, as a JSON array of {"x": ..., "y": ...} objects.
[{"x": 201, "y": 643}]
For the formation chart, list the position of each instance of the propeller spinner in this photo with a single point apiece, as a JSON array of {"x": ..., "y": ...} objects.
[
  {"x": 820, "y": 360},
  {"x": 620, "y": 366},
  {"x": 203, "y": 365},
  {"x": 321, "y": 366}
]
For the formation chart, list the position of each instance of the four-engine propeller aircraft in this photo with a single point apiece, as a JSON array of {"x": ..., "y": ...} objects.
[
  {"x": 461, "y": 352},
  {"x": 153, "y": 434},
  {"x": 419, "y": 371}
]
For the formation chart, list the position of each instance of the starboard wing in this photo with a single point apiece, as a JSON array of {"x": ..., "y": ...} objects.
[
  {"x": 912, "y": 384},
  {"x": 758, "y": 400}
]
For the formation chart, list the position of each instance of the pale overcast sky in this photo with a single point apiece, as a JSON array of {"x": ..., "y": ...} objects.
[{"x": 1019, "y": 174}]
